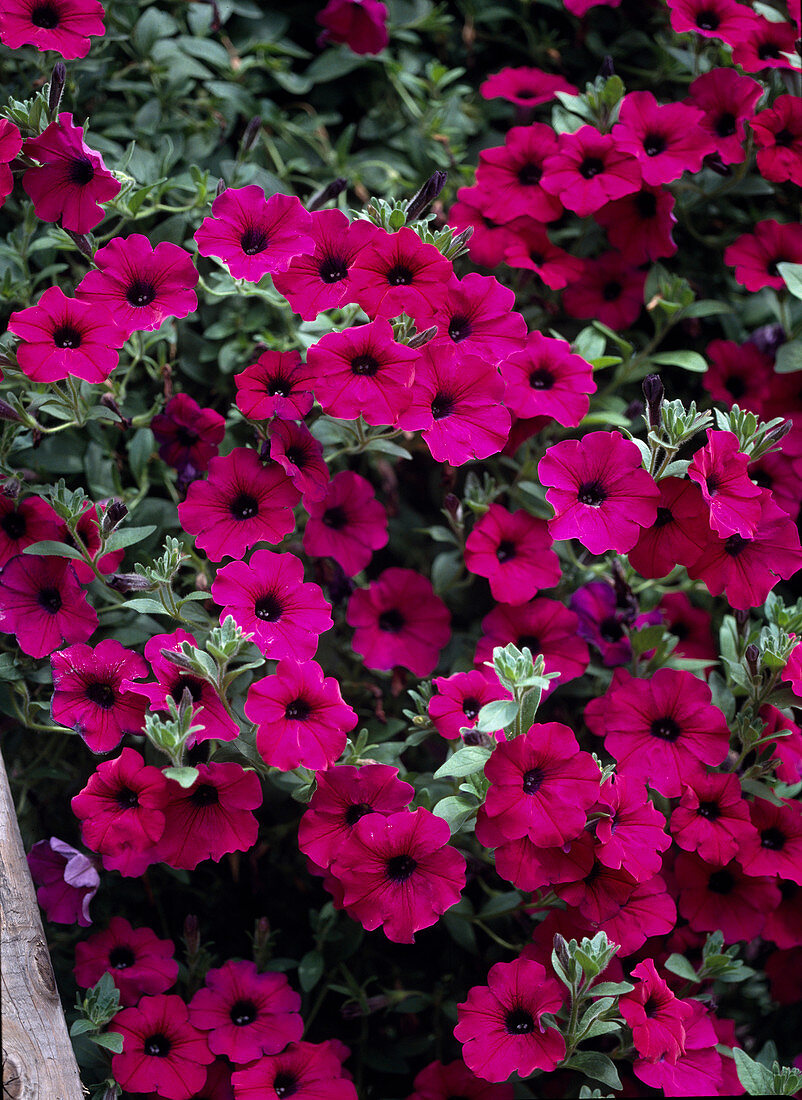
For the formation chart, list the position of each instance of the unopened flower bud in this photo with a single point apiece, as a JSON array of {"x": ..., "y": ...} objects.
[
  {"x": 768, "y": 338},
  {"x": 192, "y": 934},
  {"x": 251, "y": 134},
  {"x": 426, "y": 195},
  {"x": 175, "y": 657},
  {"x": 109, "y": 401},
  {"x": 780, "y": 432},
  {"x": 115, "y": 513},
  {"x": 221, "y": 186},
  {"x": 752, "y": 656},
  {"x": 327, "y": 193},
  {"x": 216, "y": 22},
  {"x": 607, "y": 67},
  {"x": 81, "y": 242},
  {"x": 560, "y": 946},
  {"x": 714, "y": 162},
  {"x": 742, "y": 621},
  {"x": 421, "y": 338},
  {"x": 128, "y": 582},
  {"x": 654, "y": 392},
  {"x": 7, "y": 413},
  {"x": 58, "y": 79}
]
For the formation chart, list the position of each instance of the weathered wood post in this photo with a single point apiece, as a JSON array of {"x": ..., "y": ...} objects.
[{"x": 38, "y": 1060}]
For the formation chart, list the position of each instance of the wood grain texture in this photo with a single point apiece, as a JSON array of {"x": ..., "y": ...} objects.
[{"x": 38, "y": 1060}]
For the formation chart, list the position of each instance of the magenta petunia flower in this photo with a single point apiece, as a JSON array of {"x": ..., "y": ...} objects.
[
  {"x": 589, "y": 169},
  {"x": 348, "y": 524},
  {"x": 363, "y": 372},
  {"x": 509, "y": 176},
  {"x": 679, "y": 533},
  {"x": 246, "y": 1014},
  {"x": 774, "y": 846},
  {"x": 786, "y": 746},
  {"x": 343, "y": 795},
  {"x": 755, "y": 255},
  {"x": 531, "y": 249},
  {"x": 499, "y": 1024},
  {"x": 396, "y": 273},
  {"x": 633, "y": 834},
  {"x": 778, "y": 137},
  {"x": 457, "y": 404},
  {"x": 71, "y": 182},
  {"x": 267, "y": 597},
  {"x": 529, "y": 866},
  {"x": 542, "y": 626},
  {"x": 162, "y": 1051},
  {"x": 320, "y": 280},
  {"x": 599, "y": 491},
  {"x": 546, "y": 379},
  {"x": 541, "y": 785},
  {"x": 300, "y": 456},
  {"x": 667, "y": 140},
  {"x": 525, "y": 86},
  {"x": 309, "y": 1071},
  {"x": 701, "y": 1070},
  {"x": 662, "y": 731},
  {"x": 254, "y": 235},
  {"x": 122, "y": 805},
  {"x": 440, "y": 1081},
  {"x": 478, "y": 317},
  {"x": 712, "y": 818},
  {"x": 360, "y": 24},
  {"x": 10, "y": 145},
  {"x": 657, "y": 1018},
  {"x": 212, "y": 817},
  {"x": 738, "y": 373},
  {"x": 88, "y": 692},
  {"x": 459, "y": 699},
  {"x": 399, "y": 872},
  {"x": 763, "y": 44},
  {"x": 609, "y": 289},
  {"x": 243, "y": 502},
  {"x": 715, "y": 896},
  {"x": 277, "y": 384},
  {"x": 64, "y": 336},
  {"x": 66, "y": 881},
  {"x": 24, "y": 522},
  {"x": 138, "y": 961},
  {"x": 490, "y": 238},
  {"x": 724, "y": 19},
  {"x": 728, "y": 101},
  {"x": 640, "y": 225},
  {"x": 398, "y": 620},
  {"x": 513, "y": 550},
  {"x": 647, "y": 911},
  {"x": 43, "y": 604},
  {"x": 140, "y": 285},
  {"x": 61, "y": 25},
  {"x": 188, "y": 435},
  {"x": 720, "y": 470},
  {"x": 300, "y": 717}
]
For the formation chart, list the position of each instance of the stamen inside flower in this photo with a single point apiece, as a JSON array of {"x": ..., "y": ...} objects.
[
  {"x": 126, "y": 798},
  {"x": 121, "y": 957},
  {"x": 244, "y": 506},
  {"x": 400, "y": 275},
  {"x": 709, "y": 810},
  {"x": 654, "y": 144},
  {"x": 333, "y": 269},
  {"x": 335, "y": 517},
  {"x": 357, "y": 811},
  {"x": 140, "y": 293},
  {"x": 101, "y": 694},
  {"x": 243, "y": 1013},
  {"x": 533, "y": 780},
  {"x": 735, "y": 545},
  {"x": 707, "y": 20},
  {"x": 769, "y": 51},
  {"x": 365, "y": 365},
  {"x": 519, "y": 1022},
  {"x": 66, "y": 336},
  {"x": 400, "y": 868},
  {"x": 205, "y": 795},
  {"x": 298, "y": 710},
  {"x": 772, "y": 839},
  {"x": 470, "y": 707},
  {"x": 505, "y": 550},
  {"x": 157, "y": 1046},
  {"x": 253, "y": 240},
  {"x": 459, "y": 328},
  {"x": 664, "y": 517},
  {"x": 611, "y": 630},
  {"x": 45, "y": 16},
  {"x": 285, "y": 1085},
  {"x": 591, "y": 493},
  {"x": 529, "y": 175},
  {"x": 442, "y": 406},
  {"x": 590, "y": 167},
  {"x": 81, "y": 171},
  {"x": 14, "y": 525},
  {"x": 268, "y": 608},
  {"x": 279, "y": 387},
  {"x": 725, "y": 124},
  {"x": 49, "y": 599},
  {"x": 666, "y": 728},
  {"x": 541, "y": 379}
]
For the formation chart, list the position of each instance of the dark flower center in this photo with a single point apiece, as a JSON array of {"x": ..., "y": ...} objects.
[
  {"x": 357, "y": 811},
  {"x": 735, "y": 385},
  {"x": 102, "y": 695},
  {"x": 541, "y": 379},
  {"x": 519, "y": 1022},
  {"x": 442, "y": 406},
  {"x": 192, "y": 684},
  {"x": 530, "y": 642},
  {"x": 664, "y": 517},
  {"x": 284, "y": 1085},
  {"x": 244, "y": 506},
  {"x": 45, "y": 16},
  {"x": 537, "y": 258},
  {"x": 157, "y": 1046},
  {"x": 297, "y": 456},
  {"x": 735, "y": 545},
  {"x": 721, "y": 882},
  {"x": 710, "y": 810},
  {"x": 470, "y": 707},
  {"x": 612, "y": 290},
  {"x": 185, "y": 436},
  {"x": 141, "y": 292},
  {"x": 279, "y": 387},
  {"x": 725, "y": 124},
  {"x": 333, "y": 269},
  {"x": 399, "y": 868},
  {"x": 66, "y": 336},
  {"x": 788, "y": 889},
  {"x": 771, "y": 267},
  {"x": 297, "y": 710},
  {"x": 712, "y": 483},
  {"x": 784, "y": 137},
  {"x": 364, "y": 364},
  {"x": 529, "y": 175},
  {"x": 126, "y": 798},
  {"x": 243, "y": 1013},
  {"x": 205, "y": 795},
  {"x": 14, "y": 525},
  {"x": 654, "y": 144},
  {"x": 49, "y": 599},
  {"x": 646, "y": 204},
  {"x": 772, "y": 839},
  {"x": 768, "y": 51},
  {"x": 611, "y": 630},
  {"x": 591, "y": 493},
  {"x": 522, "y": 93},
  {"x": 268, "y": 609},
  {"x": 533, "y": 780},
  {"x": 707, "y": 20},
  {"x": 253, "y": 240},
  {"x": 121, "y": 957},
  {"x": 459, "y": 328},
  {"x": 590, "y": 167},
  {"x": 391, "y": 620},
  {"x": 335, "y": 517},
  {"x": 666, "y": 728},
  {"x": 400, "y": 275},
  {"x": 506, "y": 550},
  {"x": 81, "y": 171}
]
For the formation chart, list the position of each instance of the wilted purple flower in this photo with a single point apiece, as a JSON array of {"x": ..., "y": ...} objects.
[{"x": 66, "y": 879}]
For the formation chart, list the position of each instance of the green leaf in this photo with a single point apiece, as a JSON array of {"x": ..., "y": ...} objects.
[
  {"x": 465, "y": 761},
  {"x": 387, "y": 447},
  {"x": 128, "y": 537},
  {"x": 792, "y": 277},
  {"x": 184, "y": 777},
  {"x": 679, "y": 965},
  {"x": 501, "y": 903},
  {"x": 81, "y": 1026},
  {"x": 496, "y": 715},
  {"x": 310, "y": 970},
  {"x": 455, "y": 811},
  {"x": 145, "y": 606},
  {"x": 610, "y": 989},
  {"x": 789, "y": 357},
  {"x": 597, "y": 1066},
  {"x": 756, "y": 1079},
  {"x": 110, "y": 1040},
  {"x": 688, "y": 360},
  {"x": 706, "y": 307},
  {"x": 53, "y": 550},
  {"x": 152, "y": 27}
]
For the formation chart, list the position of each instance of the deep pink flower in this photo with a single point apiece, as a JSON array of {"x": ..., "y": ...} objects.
[
  {"x": 722, "y": 896},
  {"x": 359, "y": 24},
  {"x": 246, "y": 1014},
  {"x": 690, "y": 624},
  {"x": 60, "y": 25},
  {"x": 300, "y": 456},
  {"x": 662, "y": 731},
  {"x": 776, "y": 472},
  {"x": 243, "y": 502},
  {"x": 599, "y": 491},
  {"x": 10, "y": 145},
  {"x": 64, "y": 336},
  {"x": 543, "y": 626},
  {"x": 640, "y": 225},
  {"x": 459, "y": 699},
  {"x": 633, "y": 834},
  {"x": 267, "y": 597},
  {"x": 755, "y": 255},
  {"x": 188, "y": 435},
  {"x": 24, "y": 522},
  {"x": 254, "y": 235},
  {"x": 277, "y": 384},
  {"x": 784, "y": 924},
  {"x": 396, "y": 273},
  {"x": 720, "y": 470},
  {"x": 489, "y": 240},
  {"x": 513, "y": 550},
  {"x": 600, "y": 894},
  {"x": 509, "y": 176},
  {"x": 457, "y": 404},
  {"x": 71, "y": 181},
  {"x": 363, "y": 372},
  {"x": 541, "y": 785},
  {"x": 300, "y": 717},
  {"x": 43, "y": 604},
  {"x": 439, "y": 1081},
  {"x": 348, "y": 524},
  {"x": 679, "y": 533},
  {"x": 580, "y": 8},
  {"x": 609, "y": 289},
  {"x": 602, "y": 622},
  {"x": 648, "y": 910},
  {"x": 712, "y": 817},
  {"x": 162, "y": 1050},
  {"x": 477, "y": 316},
  {"x": 307, "y": 1071},
  {"x": 763, "y": 44},
  {"x": 785, "y": 748},
  {"x": 701, "y": 1070},
  {"x": 399, "y": 872},
  {"x": 500, "y": 1026},
  {"x": 320, "y": 281},
  {"x": 122, "y": 805},
  {"x": 778, "y": 136},
  {"x": 138, "y": 961},
  {"x": 724, "y": 19},
  {"x": 589, "y": 169},
  {"x": 66, "y": 881},
  {"x": 524, "y": 86},
  {"x": 728, "y": 101},
  {"x": 343, "y": 795},
  {"x": 547, "y": 379},
  {"x": 774, "y": 847},
  {"x": 667, "y": 140},
  {"x": 528, "y": 865},
  {"x": 657, "y": 1018},
  {"x": 140, "y": 285},
  {"x": 398, "y": 620},
  {"x": 88, "y": 693},
  {"x": 212, "y": 817},
  {"x": 531, "y": 249},
  {"x": 738, "y": 373}
]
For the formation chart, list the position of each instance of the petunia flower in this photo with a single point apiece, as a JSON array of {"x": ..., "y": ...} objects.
[
  {"x": 657, "y": 1018},
  {"x": 309, "y": 1071},
  {"x": 162, "y": 1051},
  {"x": 458, "y": 700},
  {"x": 320, "y": 280},
  {"x": 712, "y": 817},
  {"x": 679, "y": 533},
  {"x": 531, "y": 249},
  {"x": 528, "y": 865},
  {"x": 122, "y": 805},
  {"x": 589, "y": 169},
  {"x": 778, "y": 137},
  {"x": 66, "y": 881},
  {"x": 396, "y": 273},
  {"x": 701, "y": 1070},
  {"x": 509, "y": 176},
  {"x": 10, "y": 146},
  {"x": 640, "y": 225},
  {"x": 763, "y": 43},
  {"x": 477, "y": 317},
  {"x": 547, "y": 379},
  {"x": 755, "y": 255},
  {"x": 633, "y": 833},
  {"x": 360, "y": 24},
  {"x": 716, "y": 896},
  {"x": 61, "y": 25},
  {"x": 347, "y": 524},
  {"x": 723, "y": 19},
  {"x": 738, "y": 374},
  {"x": 137, "y": 960},
  {"x": 774, "y": 845},
  {"x": 490, "y": 238},
  {"x": 88, "y": 692},
  {"x": 188, "y": 435},
  {"x": 608, "y": 289},
  {"x": 514, "y": 551},
  {"x": 720, "y": 470},
  {"x": 300, "y": 456},
  {"x": 43, "y": 604},
  {"x": 525, "y": 86},
  {"x": 667, "y": 140},
  {"x": 24, "y": 522},
  {"x": 728, "y": 100},
  {"x": 277, "y": 384},
  {"x": 602, "y": 622}
]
